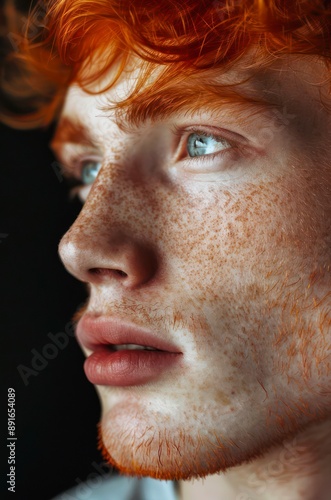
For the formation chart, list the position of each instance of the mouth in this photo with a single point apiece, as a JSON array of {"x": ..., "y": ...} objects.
[
  {"x": 132, "y": 347},
  {"x": 124, "y": 354}
]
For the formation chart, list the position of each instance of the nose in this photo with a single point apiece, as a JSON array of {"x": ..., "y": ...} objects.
[{"x": 98, "y": 249}]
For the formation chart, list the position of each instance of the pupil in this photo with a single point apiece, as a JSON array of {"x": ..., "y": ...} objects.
[{"x": 199, "y": 142}]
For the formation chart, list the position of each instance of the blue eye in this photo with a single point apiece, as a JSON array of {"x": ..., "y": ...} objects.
[
  {"x": 204, "y": 144},
  {"x": 90, "y": 170}
]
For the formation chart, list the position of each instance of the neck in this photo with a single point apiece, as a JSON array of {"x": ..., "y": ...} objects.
[{"x": 299, "y": 469}]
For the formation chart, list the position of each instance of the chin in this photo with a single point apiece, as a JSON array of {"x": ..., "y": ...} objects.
[
  {"x": 160, "y": 454},
  {"x": 171, "y": 435},
  {"x": 145, "y": 442},
  {"x": 160, "y": 438}
]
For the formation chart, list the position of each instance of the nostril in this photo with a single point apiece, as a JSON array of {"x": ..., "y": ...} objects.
[{"x": 104, "y": 271}]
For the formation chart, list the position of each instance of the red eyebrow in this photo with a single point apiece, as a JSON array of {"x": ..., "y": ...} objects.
[
  {"x": 155, "y": 103},
  {"x": 71, "y": 131}
]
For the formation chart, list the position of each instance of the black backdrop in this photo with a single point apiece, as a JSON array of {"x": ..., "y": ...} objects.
[{"x": 56, "y": 407}]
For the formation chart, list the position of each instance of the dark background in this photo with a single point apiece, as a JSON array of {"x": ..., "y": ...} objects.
[{"x": 57, "y": 409}]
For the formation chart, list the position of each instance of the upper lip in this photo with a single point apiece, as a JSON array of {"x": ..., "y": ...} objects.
[{"x": 96, "y": 331}]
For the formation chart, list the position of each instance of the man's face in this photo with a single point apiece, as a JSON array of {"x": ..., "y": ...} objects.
[{"x": 209, "y": 229}]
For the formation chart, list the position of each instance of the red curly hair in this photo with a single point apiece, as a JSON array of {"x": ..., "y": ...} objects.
[{"x": 181, "y": 37}]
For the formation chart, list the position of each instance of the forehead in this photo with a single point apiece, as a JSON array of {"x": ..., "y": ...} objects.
[{"x": 298, "y": 82}]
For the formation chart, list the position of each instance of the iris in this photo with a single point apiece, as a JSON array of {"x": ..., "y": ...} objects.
[{"x": 205, "y": 144}]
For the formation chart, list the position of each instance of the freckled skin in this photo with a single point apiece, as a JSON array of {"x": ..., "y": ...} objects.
[{"x": 234, "y": 269}]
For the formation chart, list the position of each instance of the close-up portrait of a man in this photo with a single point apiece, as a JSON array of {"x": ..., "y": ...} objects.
[{"x": 197, "y": 136}]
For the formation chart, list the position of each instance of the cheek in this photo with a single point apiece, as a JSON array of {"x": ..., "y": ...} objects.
[
  {"x": 223, "y": 239},
  {"x": 246, "y": 260},
  {"x": 254, "y": 234}
]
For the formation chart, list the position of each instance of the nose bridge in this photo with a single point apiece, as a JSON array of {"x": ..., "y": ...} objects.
[
  {"x": 105, "y": 240},
  {"x": 98, "y": 211},
  {"x": 109, "y": 200},
  {"x": 105, "y": 210}
]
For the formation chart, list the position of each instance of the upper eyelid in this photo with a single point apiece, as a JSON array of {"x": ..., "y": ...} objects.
[
  {"x": 233, "y": 138},
  {"x": 71, "y": 155}
]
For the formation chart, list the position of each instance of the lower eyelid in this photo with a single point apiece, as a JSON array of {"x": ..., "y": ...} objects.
[
  {"x": 212, "y": 162},
  {"x": 79, "y": 192}
]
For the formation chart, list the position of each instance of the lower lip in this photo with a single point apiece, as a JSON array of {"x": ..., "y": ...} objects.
[{"x": 127, "y": 367}]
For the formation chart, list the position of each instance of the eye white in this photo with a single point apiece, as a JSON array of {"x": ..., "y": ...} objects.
[
  {"x": 90, "y": 170},
  {"x": 202, "y": 145}
]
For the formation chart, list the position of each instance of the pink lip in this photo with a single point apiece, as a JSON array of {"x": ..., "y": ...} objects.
[{"x": 125, "y": 367}]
